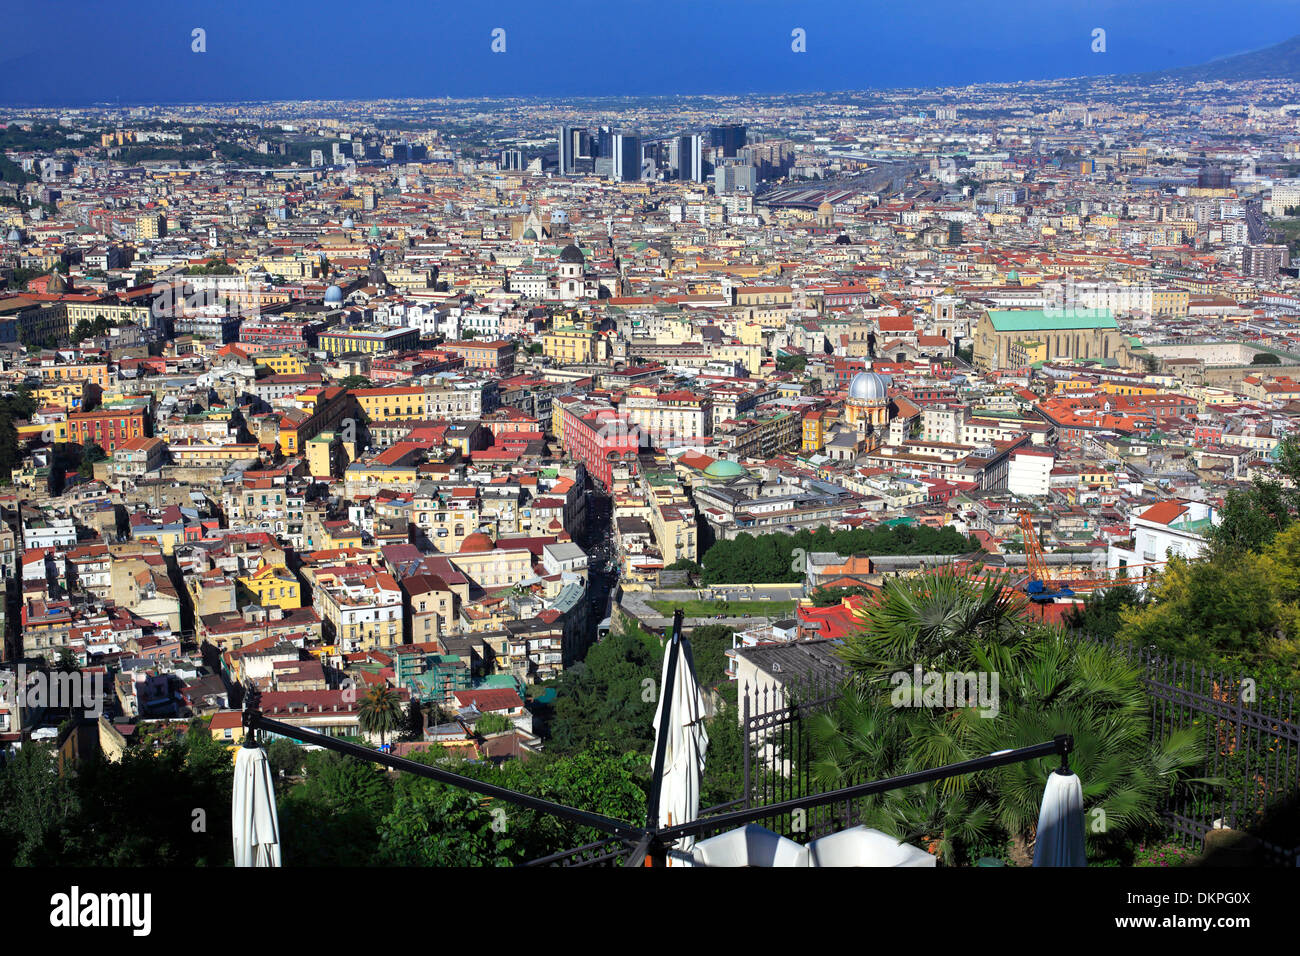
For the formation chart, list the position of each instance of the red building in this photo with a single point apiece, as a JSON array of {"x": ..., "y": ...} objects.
[
  {"x": 598, "y": 437},
  {"x": 280, "y": 333},
  {"x": 107, "y": 427}
]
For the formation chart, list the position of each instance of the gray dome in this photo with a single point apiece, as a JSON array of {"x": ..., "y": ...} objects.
[
  {"x": 868, "y": 386},
  {"x": 347, "y": 223},
  {"x": 333, "y": 294},
  {"x": 572, "y": 254},
  {"x": 15, "y": 236}
]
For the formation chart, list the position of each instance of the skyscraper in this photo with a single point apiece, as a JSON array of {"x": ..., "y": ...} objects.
[
  {"x": 565, "y": 155},
  {"x": 627, "y": 158},
  {"x": 729, "y": 138},
  {"x": 686, "y": 156}
]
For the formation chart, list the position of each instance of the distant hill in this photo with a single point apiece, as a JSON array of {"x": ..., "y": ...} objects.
[{"x": 1278, "y": 62}]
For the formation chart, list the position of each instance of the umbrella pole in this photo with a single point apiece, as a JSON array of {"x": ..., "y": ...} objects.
[{"x": 657, "y": 854}]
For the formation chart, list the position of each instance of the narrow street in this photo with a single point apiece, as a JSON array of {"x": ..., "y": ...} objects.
[{"x": 598, "y": 542}]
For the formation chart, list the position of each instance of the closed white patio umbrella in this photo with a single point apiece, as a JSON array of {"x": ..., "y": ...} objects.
[
  {"x": 256, "y": 827},
  {"x": 679, "y": 730},
  {"x": 1060, "y": 822}
]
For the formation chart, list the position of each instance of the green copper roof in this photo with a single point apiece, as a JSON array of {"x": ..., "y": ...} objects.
[
  {"x": 723, "y": 468},
  {"x": 1036, "y": 320}
]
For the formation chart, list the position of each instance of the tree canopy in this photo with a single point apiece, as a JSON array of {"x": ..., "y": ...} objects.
[
  {"x": 1228, "y": 611},
  {"x": 776, "y": 558},
  {"x": 1250, "y": 518}
]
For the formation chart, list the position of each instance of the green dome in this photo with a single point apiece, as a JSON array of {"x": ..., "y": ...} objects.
[
  {"x": 530, "y": 233},
  {"x": 374, "y": 231},
  {"x": 722, "y": 468}
]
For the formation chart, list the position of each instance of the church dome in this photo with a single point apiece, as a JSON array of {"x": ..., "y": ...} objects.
[
  {"x": 333, "y": 294},
  {"x": 374, "y": 232},
  {"x": 825, "y": 209},
  {"x": 868, "y": 386},
  {"x": 476, "y": 543},
  {"x": 722, "y": 468},
  {"x": 573, "y": 255},
  {"x": 530, "y": 233}
]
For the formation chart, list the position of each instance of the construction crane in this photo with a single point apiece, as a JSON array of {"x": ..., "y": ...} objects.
[
  {"x": 1043, "y": 586},
  {"x": 1039, "y": 587}
]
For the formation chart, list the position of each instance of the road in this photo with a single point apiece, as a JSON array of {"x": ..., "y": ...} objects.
[{"x": 598, "y": 542}]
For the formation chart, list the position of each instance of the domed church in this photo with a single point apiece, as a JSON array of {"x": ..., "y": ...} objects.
[{"x": 867, "y": 407}]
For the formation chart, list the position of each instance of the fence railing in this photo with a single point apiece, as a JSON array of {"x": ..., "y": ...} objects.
[{"x": 1252, "y": 745}]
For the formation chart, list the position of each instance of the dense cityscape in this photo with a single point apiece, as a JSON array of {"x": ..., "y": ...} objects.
[{"x": 418, "y": 419}]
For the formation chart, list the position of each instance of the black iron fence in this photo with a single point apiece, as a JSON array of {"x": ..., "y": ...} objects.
[
  {"x": 1251, "y": 741},
  {"x": 778, "y": 754},
  {"x": 1252, "y": 746}
]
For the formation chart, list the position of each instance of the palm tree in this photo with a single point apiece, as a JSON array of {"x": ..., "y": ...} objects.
[
  {"x": 381, "y": 712},
  {"x": 1046, "y": 684},
  {"x": 934, "y": 620}
]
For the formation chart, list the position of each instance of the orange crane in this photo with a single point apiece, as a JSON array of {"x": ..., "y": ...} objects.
[
  {"x": 1042, "y": 586},
  {"x": 1039, "y": 586}
]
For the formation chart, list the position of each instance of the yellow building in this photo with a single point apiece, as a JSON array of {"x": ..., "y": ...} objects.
[
  {"x": 204, "y": 454},
  {"x": 320, "y": 410},
  {"x": 77, "y": 372},
  {"x": 395, "y": 403},
  {"x": 1027, "y": 352},
  {"x": 1066, "y": 385},
  {"x": 764, "y": 295},
  {"x": 572, "y": 346},
  {"x": 151, "y": 226},
  {"x": 749, "y": 333},
  {"x": 1170, "y": 301},
  {"x": 334, "y": 538},
  {"x": 339, "y": 341},
  {"x": 282, "y": 363},
  {"x": 1096, "y": 478},
  {"x": 360, "y": 610},
  {"x": 675, "y": 532},
  {"x": 815, "y": 423},
  {"x": 50, "y": 432},
  {"x": 328, "y": 455},
  {"x": 1124, "y": 388},
  {"x": 273, "y": 585},
  {"x": 369, "y": 477},
  {"x": 69, "y": 395}
]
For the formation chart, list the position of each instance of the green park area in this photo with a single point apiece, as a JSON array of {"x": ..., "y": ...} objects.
[{"x": 770, "y": 609}]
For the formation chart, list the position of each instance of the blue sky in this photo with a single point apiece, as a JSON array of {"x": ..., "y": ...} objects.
[{"x": 74, "y": 52}]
